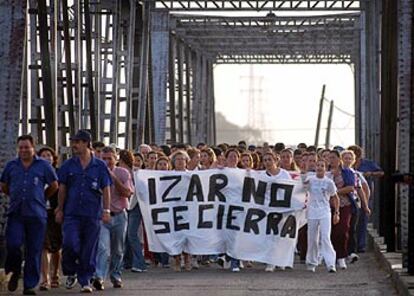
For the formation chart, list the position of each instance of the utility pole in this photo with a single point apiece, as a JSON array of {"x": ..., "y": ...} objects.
[
  {"x": 318, "y": 124},
  {"x": 328, "y": 129}
]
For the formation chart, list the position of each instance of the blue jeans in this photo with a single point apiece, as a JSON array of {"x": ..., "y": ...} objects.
[
  {"x": 234, "y": 263},
  {"x": 134, "y": 221},
  {"x": 362, "y": 230},
  {"x": 111, "y": 247}
]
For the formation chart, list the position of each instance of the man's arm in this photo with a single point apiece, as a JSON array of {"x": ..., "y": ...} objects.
[
  {"x": 346, "y": 190},
  {"x": 61, "y": 203},
  {"x": 106, "y": 217},
  {"x": 364, "y": 201},
  {"x": 106, "y": 197},
  {"x": 5, "y": 188},
  {"x": 53, "y": 187},
  {"x": 335, "y": 203},
  {"x": 123, "y": 190}
]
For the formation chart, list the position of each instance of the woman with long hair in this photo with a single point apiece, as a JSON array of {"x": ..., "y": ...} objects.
[
  {"x": 344, "y": 180},
  {"x": 207, "y": 158},
  {"x": 162, "y": 164},
  {"x": 363, "y": 192},
  {"x": 179, "y": 160},
  {"x": 134, "y": 216},
  {"x": 286, "y": 160},
  {"x": 194, "y": 162},
  {"x": 53, "y": 239},
  {"x": 272, "y": 169},
  {"x": 232, "y": 160}
]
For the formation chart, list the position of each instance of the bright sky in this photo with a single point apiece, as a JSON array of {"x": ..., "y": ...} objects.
[{"x": 289, "y": 97}]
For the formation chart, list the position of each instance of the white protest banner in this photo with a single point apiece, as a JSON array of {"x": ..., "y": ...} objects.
[{"x": 246, "y": 214}]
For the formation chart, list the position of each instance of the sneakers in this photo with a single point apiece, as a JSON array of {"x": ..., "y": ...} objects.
[
  {"x": 280, "y": 267},
  {"x": 331, "y": 269},
  {"x": 71, "y": 282},
  {"x": 353, "y": 258},
  {"x": 342, "y": 263},
  {"x": 269, "y": 268},
  {"x": 311, "y": 268},
  {"x": 98, "y": 284},
  {"x": 86, "y": 289},
  {"x": 223, "y": 262},
  {"x": 13, "y": 282},
  {"x": 117, "y": 284},
  {"x": 235, "y": 269},
  {"x": 220, "y": 261},
  {"x": 194, "y": 263},
  {"x": 138, "y": 270}
]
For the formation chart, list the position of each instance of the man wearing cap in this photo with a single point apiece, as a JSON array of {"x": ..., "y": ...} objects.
[
  {"x": 84, "y": 199},
  {"x": 24, "y": 179}
]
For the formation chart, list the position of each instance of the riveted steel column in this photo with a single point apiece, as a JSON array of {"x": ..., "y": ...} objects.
[
  {"x": 159, "y": 66},
  {"x": 143, "y": 75},
  {"x": 180, "y": 89},
  {"x": 405, "y": 92},
  {"x": 389, "y": 88},
  {"x": 12, "y": 27}
]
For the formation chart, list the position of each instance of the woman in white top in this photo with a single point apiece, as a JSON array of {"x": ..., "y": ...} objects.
[
  {"x": 270, "y": 162},
  {"x": 322, "y": 194}
]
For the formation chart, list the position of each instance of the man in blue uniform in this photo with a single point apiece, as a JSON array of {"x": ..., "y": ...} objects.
[
  {"x": 370, "y": 170},
  {"x": 24, "y": 179},
  {"x": 84, "y": 199}
]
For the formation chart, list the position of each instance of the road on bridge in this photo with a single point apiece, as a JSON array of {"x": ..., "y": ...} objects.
[{"x": 365, "y": 277}]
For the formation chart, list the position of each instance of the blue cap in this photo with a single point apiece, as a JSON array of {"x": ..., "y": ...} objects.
[
  {"x": 339, "y": 148},
  {"x": 83, "y": 135}
]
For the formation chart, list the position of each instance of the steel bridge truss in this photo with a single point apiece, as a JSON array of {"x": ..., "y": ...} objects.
[
  {"x": 135, "y": 72},
  {"x": 272, "y": 39},
  {"x": 257, "y": 5}
]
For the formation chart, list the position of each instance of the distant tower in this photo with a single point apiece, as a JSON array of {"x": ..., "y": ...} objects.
[{"x": 255, "y": 115}]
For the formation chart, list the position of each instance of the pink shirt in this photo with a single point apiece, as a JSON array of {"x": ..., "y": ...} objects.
[{"x": 118, "y": 202}]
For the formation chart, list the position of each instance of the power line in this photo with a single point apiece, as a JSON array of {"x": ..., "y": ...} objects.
[{"x": 340, "y": 109}]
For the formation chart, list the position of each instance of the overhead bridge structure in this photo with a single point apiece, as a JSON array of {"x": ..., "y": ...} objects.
[{"x": 137, "y": 72}]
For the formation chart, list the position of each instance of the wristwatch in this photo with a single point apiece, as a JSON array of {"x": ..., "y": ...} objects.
[{"x": 108, "y": 211}]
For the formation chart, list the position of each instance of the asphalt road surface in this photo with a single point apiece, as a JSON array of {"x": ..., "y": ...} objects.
[{"x": 366, "y": 277}]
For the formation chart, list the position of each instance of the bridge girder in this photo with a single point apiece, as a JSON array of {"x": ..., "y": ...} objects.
[
  {"x": 257, "y": 5},
  {"x": 319, "y": 39},
  {"x": 283, "y": 59}
]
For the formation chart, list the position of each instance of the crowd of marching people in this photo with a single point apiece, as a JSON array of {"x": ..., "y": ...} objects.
[{"x": 81, "y": 217}]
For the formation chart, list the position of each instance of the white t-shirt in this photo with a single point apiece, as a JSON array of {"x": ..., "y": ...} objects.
[
  {"x": 320, "y": 192},
  {"x": 282, "y": 175}
]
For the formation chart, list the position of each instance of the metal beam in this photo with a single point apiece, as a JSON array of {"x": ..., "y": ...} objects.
[
  {"x": 283, "y": 59},
  {"x": 389, "y": 87},
  {"x": 48, "y": 98},
  {"x": 12, "y": 27},
  {"x": 257, "y": 5},
  {"x": 143, "y": 75},
  {"x": 159, "y": 66}
]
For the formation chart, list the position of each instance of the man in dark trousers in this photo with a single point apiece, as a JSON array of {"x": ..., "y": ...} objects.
[
  {"x": 24, "y": 179},
  {"x": 84, "y": 200}
]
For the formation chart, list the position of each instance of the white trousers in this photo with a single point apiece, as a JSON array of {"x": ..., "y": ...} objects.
[{"x": 320, "y": 228}]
